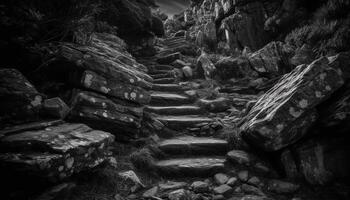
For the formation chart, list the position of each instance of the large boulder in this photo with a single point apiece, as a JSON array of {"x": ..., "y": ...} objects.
[
  {"x": 103, "y": 113},
  {"x": 283, "y": 114},
  {"x": 273, "y": 59},
  {"x": 19, "y": 100},
  {"x": 53, "y": 153}
]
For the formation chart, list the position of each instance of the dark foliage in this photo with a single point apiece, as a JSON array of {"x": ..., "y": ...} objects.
[{"x": 329, "y": 30}]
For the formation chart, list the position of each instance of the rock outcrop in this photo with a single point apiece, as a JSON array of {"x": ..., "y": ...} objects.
[
  {"x": 52, "y": 153},
  {"x": 282, "y": 115}
]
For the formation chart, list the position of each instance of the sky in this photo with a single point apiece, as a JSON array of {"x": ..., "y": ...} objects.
[{"x": 171, "y": 7}]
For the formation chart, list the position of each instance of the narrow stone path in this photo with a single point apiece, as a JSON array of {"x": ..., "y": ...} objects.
[{"x": 186, "y": 155}]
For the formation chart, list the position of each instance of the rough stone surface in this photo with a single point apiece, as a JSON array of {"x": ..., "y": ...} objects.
[
  {"x": 238, "y": 67},
  {"x": 282, "y": 115},
  {"x": 102, "y": 113},
  {"x": 200, "y": 187},
  {"x": 56, "y": 108},
  {"x": 193, "y": 145},
  {"x": 190, "y": 166},
  {"x": 55, "y": 152},
  {"x": 180, "y": 194},
  {"x": 223, "y": 190},
  {"x": 111, "y": 87},
  {"x": 19, "y": 100},
  {"x": 221, "y": 178},
  {"x": 205, "y": 67},
  {"x": 273, "y": 59}
]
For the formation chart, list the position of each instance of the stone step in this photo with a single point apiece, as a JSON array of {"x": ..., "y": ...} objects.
[
  {"x": 174, "y": 39},
  {"x": 154, "y": 72},
  {"x": 164, "y": 80},
  {"x": 159, "y": 76},
  {"x": 188, "y": 145},
  {"x": 183, "y": 122},
  {"x": 203, "y": 166},
  {"x": 167, "y": 87},
  {"x": 175, "y": 110},
  {"x": 168, "y": 99}
]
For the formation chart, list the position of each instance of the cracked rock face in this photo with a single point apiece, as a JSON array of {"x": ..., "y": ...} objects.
[
  {"x": 282, "y": 115},
  {"x": 55, "y": 152}
]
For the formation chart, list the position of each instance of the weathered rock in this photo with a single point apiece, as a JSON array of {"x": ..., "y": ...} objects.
[
  {"x": 282, "y": 115},
  {"x": 171, "y": 185},
  {"x": 205, "y": 68},
  {"x": 232, "y": 181},
  {"x": 132, "y": 178},
  {"x": 282, "y": 187},
  {"x": 38, "y": 125},
  {"x": 56, "y": 108},
  {"x": 151, "y": 192},
  {"x": 273, "y": 59},
  {"x": 54, "y": 153},
  {"x": 223, "y": 190},
  {"x": 243, "y": 176},
  {"x": 200, "y": 187},
  {"x": 187, "y": 71},
  {"x": 220, "y": 104},
  {"x": 238, "y": 67},
  {"x": 220, "y": 178},
  {"x": 255, "y": 181},
  {"x": 19, "y": 100},
  {"x": 105, "y": 114},
  {"x": 191, "y": 166},
  {"x": 111, "y": 87},
  {"x": 180, "y": 194},
  {"x": 303, "y": 55},
  {"x": 105, "y": 58},
  {"x": 246, "y": 26},
  {"x": 241, "y": 157}
]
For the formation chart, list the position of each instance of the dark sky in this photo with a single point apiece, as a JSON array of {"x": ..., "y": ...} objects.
[{"x": 171, "y": 7}]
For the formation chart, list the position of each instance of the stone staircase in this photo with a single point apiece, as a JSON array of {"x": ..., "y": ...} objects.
[{"x": 186, "y": 155}]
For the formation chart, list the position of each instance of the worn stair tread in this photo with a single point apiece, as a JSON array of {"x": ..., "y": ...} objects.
[
  {"x": 168, "y": 99},
  {"x": 175, "y": 110},
  {"x": 183, "y": 122},
  {"x": 167, "y": 87},
  {"x": 164, "y": 80},
  {"x": 189, "y": 145},
  {"x": 203, "y": 166},
  {"x": 154, "y": 72},
  {"x": 165, "y": 75}
]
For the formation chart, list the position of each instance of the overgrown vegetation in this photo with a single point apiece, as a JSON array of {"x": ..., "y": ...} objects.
[{"x": 328, "y": 32}]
